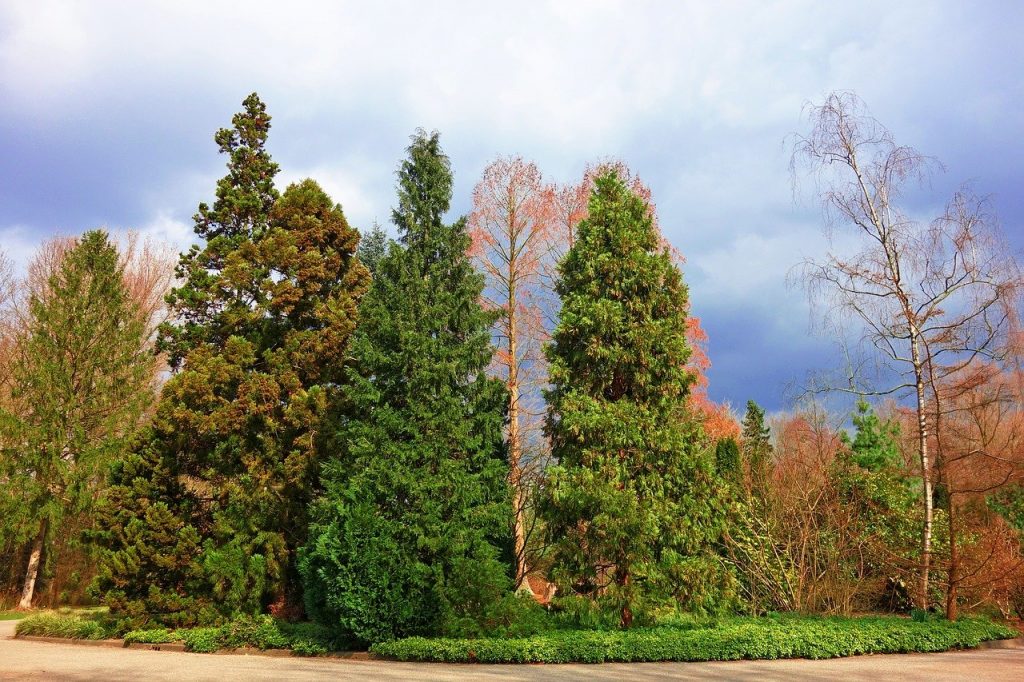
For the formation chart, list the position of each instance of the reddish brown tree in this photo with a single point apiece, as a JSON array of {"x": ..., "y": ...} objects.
[{"x": 511, "y": 225}]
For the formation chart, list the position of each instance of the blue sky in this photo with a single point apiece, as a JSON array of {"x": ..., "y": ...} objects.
[{"x": 107, "y": 111}]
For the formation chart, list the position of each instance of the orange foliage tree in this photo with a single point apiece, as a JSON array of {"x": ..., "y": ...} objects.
[{"x": 511, "y": 229}]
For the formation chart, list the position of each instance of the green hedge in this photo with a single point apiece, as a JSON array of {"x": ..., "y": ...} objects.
[{"x": 730, "y": 640}]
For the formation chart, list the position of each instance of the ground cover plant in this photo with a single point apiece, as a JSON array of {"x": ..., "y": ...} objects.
[
  {"x": 259, "y": 632},
  {"x": 726, "y": 640}
]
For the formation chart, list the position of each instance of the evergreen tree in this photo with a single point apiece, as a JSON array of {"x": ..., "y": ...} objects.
[
  {"x": 80, "y": 383},
  {"x": 633, "y": 510},
  {"x": 876, "y": 443},
  {"x": 373, "y": 247},
  {"x": 407, "y": 536},
  {"x": 757, "y": 446},
  {"x": 728, "y": 460},
  {"x": 265, "y": 315}
]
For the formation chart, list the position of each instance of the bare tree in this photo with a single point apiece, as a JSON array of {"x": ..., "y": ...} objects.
[
  {"x": 931, "y": 298},
  {"x": 979, "y": 445},
  {"x": 510, "y": 226}
]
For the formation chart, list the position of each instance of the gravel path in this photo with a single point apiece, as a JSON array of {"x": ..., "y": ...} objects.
[{"x": 21, "y": 660}]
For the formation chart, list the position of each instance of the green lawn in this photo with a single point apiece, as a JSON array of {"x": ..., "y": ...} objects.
[{"x": 12, "y": 615}]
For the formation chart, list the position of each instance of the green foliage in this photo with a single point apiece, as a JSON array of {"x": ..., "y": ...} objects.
[
  {"x": 1009, "y": 503},
  {"x": 79, "y": 384},
  {"x": 876, "y": 444},
  {"x": 736, "y": 639},
  {"x": 728, "y": 460},
  {"x": 67, "y": 625},
  {"x": 154, "y": 636},
  {"x": 633, "y": 507},
  {"x": 373, "y": 247},
  {"x": 209, "y": 512},
  {"x": 259, "y": 632},
  {"x": 757, "y": 447},
  {"x": 407, "y": 535},
  {"x": 201, "y": 640}
]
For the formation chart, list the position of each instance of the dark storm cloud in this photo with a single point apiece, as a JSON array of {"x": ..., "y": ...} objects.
[{"x": 107, "y": 112}]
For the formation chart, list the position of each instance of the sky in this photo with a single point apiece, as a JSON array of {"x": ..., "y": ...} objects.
[{"x": 108, "y": 109}]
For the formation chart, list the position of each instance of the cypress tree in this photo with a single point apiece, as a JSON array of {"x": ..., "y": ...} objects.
[
  {"x": 232, "y": 456},
  {"x": 757, "y": 447},
  {"x": 406, "y": 537},
  {"x": 632, "y": 508}
]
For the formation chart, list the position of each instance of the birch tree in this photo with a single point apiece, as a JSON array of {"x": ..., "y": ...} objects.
[{"x": 930, "y": 298}]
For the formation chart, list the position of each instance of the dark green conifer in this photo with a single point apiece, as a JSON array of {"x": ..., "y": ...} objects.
[
  {"x": 633, "y": 510},
  {"x": 407, "y": 536}
]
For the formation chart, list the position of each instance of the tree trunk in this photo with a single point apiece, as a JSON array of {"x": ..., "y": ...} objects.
[
  {"x": 954, "y": 563},
  {"x": 627, "y": 613},
  {"x": 926, "y": 478},
  {"x": 515, "y": 444},
  {"x": 32, "y": 572}
]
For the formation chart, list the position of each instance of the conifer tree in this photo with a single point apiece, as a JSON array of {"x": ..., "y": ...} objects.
[
  {"x": 728, "y": 460},
  {"x": 264, "y": 318},
  {"x": 415, "y": 510},
  {"x": 80, "y": 381},
  {"x": 373, "y": 247},
  {"x": 757, "y": 446},
  {"x": 632, "y": 510}
]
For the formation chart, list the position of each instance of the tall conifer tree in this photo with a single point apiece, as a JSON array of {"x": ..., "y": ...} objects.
[
  {"x": 406, "y": 538},
  {"x": 632, "y": 508},
  {"x": 80, "y": 382},
  {"x": 232, "y": 458}
]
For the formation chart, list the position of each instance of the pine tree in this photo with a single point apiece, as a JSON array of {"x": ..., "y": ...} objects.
[
  {"x": 876, "y": 443},
  {"x": 265, "y": 315},
  {"x": 415, "y": 511},
  {"x": 80, "y": 383},
  {"x": 632, "y": 511}
]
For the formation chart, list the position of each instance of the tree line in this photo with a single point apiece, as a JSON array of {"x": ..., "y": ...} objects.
[{"x": 402, "y": 436}]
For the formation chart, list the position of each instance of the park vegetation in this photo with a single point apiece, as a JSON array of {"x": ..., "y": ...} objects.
[{"x": 490, "y": 438}]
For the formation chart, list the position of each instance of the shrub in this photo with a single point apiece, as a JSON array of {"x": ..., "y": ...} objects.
[
  {"x": 305, "y": 647},
  {"x": 70, "y": 626},
  {"x": 260, "y": 632},
  {"x": 201, "y": 640},
  {"x": 731, "y": 640},
  {"x": 155, "y": 636}
]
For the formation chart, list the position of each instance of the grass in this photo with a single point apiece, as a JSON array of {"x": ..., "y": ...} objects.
[
  {"x": 12, "y": 615},
  {"x": 729, "y": 639}
]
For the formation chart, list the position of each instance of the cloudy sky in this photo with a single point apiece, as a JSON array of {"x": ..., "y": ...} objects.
[{"x": 107, "y": 111}]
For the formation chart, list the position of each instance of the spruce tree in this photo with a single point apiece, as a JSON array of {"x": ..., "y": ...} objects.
[
  {"x": 261, "y": 341},
  {"x": 80, "y": 382},
  {"x": 632, "y": 508},
  {"x": 407, "y": 536}
]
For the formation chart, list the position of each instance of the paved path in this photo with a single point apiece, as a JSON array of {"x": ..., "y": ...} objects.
[{"x": 21, "y": 660}]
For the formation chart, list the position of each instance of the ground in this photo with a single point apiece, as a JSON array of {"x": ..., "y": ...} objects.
[{"x": 38, "y": 660}]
